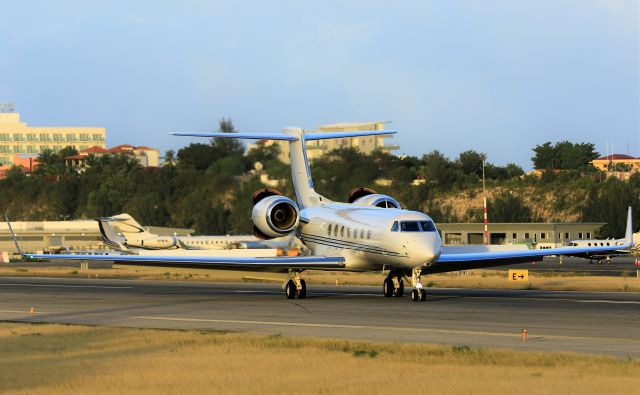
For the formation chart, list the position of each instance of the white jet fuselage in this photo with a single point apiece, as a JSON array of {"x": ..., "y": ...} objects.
[{"x": 363, "y": 235}]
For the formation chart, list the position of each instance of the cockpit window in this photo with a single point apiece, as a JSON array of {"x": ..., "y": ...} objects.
[
  {"x": 427, "y": 226},
  {"x": 413, "y": 226},
  {"x": 409, "y": 226}
]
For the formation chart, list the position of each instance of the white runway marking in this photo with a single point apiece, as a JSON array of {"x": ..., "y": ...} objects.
[{"x": 66, "y": 286}]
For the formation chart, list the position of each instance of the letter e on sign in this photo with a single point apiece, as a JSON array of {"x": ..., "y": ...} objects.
[{"x": 518, "y": 275}]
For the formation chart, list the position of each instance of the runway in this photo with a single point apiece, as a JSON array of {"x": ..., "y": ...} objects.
[{"x": 600, "y": 323}]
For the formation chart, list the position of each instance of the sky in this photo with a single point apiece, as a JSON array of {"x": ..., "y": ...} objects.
[{"x": 499, "y": 77}]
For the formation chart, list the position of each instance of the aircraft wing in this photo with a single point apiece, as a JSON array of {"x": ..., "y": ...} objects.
[
  {"x": 209, "y": 262},
  {"x": 449, "y": 262}
]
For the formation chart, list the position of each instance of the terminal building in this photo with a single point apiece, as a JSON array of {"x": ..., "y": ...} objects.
[
  {"x": 543, "y": 235},
  {"x": 318, "y": 148},
  {"x": 17, "y": 137}
]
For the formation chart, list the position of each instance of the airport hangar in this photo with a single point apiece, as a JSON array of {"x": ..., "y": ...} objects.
[{"x": 84, "y": 235}]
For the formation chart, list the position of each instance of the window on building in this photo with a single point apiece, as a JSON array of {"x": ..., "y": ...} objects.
[
  {"x": 514, "y": 236},
  {"x": 527, "y": 235},
  {"x": 543, "y": 236},
  {"x": 4, "y": 137},
  {"x": 71, "y": 137},
  {"x": 32, "y": 149},
  {"x": 18, "y": 149},
  {"x": 31, "y": 137},
  {"x": 17, "y": 137},
  {"x": 588, "y": 235},
  {"x": 566, "y": 235},
  {"x": 57, "y": 137},
  {"x": 580, "y": 235},
  {"x": 44, "y": 137},
  {"x": 97, "y": 137},
  {"x": 84, "y": 136}
]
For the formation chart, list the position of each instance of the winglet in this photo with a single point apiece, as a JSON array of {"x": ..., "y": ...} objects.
[
  {"x": 628, "y": 236},
  {"x": 13, "y": 235}
]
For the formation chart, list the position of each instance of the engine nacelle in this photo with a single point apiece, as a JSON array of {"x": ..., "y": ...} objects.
[
  {"x": 159, "y": 242},
  {"x": 369, "y": 197},
  {"x": 273, "y": 215}
]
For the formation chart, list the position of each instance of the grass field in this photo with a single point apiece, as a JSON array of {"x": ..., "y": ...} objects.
[
  {"x": 60, "y": 359},
  {"x": 469, "y": 279}
]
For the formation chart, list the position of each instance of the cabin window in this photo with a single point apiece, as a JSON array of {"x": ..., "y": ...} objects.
[
  {"x": 335, "y": 231},
  {"x": 369, "y": 235},
  {"x": 348, "y": 232},
  {"x": 329, "y": 230},
  {"x": 589, "y": 244},
  {"x": 395, "y": 226},
  {"x": 342, "y": 231},
  {"x": 362, "y": 233}
]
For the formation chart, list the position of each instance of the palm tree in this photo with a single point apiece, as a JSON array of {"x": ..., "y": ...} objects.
[{"x": 170, "y": 157}]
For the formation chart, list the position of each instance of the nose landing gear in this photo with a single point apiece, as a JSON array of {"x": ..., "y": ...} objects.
[{"x": 418, "y": 293}]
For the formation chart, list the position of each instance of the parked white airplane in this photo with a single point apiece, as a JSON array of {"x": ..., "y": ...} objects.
[
  {"x": 369, "y": 233},
  {"x": 125, "y": 234},
  {"x": 614, "y": 243}
]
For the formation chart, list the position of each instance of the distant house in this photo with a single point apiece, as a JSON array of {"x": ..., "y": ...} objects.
[
  {"x": 617, "y": 165},
  {"x": 146, "y": 156}
]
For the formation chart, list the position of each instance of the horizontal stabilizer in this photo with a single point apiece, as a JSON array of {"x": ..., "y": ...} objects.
[
  {"x": 249, "y": 136},
  {"x": 339, "y": 135}
]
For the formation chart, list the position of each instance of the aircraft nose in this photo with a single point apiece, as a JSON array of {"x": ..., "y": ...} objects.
[{"x": 424, "y": 251}]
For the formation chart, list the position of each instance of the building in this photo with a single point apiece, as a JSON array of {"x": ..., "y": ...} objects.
[
  {"x": 546, "y": 235},
  {"x": 617, "y": 162},
  {"x": 317, "y": 148},
  {"x": 42, "y": 236},
  {"x": 17, "y": 137},
  {"x": 146, "y": 156}
]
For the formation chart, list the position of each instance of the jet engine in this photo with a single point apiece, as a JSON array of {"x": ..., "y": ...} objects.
[
  {"x": 369, "y": 197},
  {"x": 273, "y": 215},
  {"x": 160, "y": 243}
]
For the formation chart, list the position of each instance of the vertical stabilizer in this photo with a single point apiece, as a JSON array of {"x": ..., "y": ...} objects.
[{"x": 306, "y": 196}]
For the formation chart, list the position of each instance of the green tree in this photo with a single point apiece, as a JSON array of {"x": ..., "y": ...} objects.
[{"x": 506, "y": 207}]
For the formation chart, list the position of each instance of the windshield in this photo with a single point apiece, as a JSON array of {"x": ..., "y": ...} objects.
[{"x": 413, "y": 226}]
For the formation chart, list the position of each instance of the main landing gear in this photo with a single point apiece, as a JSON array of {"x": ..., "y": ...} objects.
[
  {"x": 295, "y": 286},
  {"x": 418, "y": 293},
  {"x": 393, "y": 285}
]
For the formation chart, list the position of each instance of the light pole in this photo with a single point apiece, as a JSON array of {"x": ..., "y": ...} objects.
[{"x": 484, "y": 199}]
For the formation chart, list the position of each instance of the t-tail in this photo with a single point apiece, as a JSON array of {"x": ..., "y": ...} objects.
[{"x": 306, "y": 195}]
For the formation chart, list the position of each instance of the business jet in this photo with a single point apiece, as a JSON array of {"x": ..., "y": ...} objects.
[
  {"x": 123, "y": 233},
  {"x": 370, "y": 232},
  {"x": 618, "y": 244}
]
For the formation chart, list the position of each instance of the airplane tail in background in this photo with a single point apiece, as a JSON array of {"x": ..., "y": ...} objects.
[
  {"x": 115, "y": 230},
  {"x": 306, "y": 195}
]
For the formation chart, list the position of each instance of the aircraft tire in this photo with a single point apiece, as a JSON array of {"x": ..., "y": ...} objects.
[
  {"x": 303, "y": 292},
  {"x": 423, "y": 295},
  {"x": 415, "y": 295},
  {"x": 290, "y": 290},
  {"x": 387, "y": 287}
]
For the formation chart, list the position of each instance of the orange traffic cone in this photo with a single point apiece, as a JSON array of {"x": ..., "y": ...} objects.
[
  {"x": 32, "y": 310},
  {"x": 524, "y": 334}
]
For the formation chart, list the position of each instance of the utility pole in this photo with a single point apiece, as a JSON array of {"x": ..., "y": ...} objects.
[{"x": 484, "y": 198}]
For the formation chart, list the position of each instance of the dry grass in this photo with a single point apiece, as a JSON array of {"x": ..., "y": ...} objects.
[
  {"x": 468, "y": 279},
  {"x": 55, "y": 359}
]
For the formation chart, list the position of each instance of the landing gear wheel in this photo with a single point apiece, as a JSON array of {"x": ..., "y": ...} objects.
[
  {"x": 415, "y": 295},
  {"x": 423, "y": 295},
  {"x": 400, "y": 290},
  {"x": 387, "y": 287},
  {"x": 291, "y": 290},
  {"x": 302, "y": 292}
]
